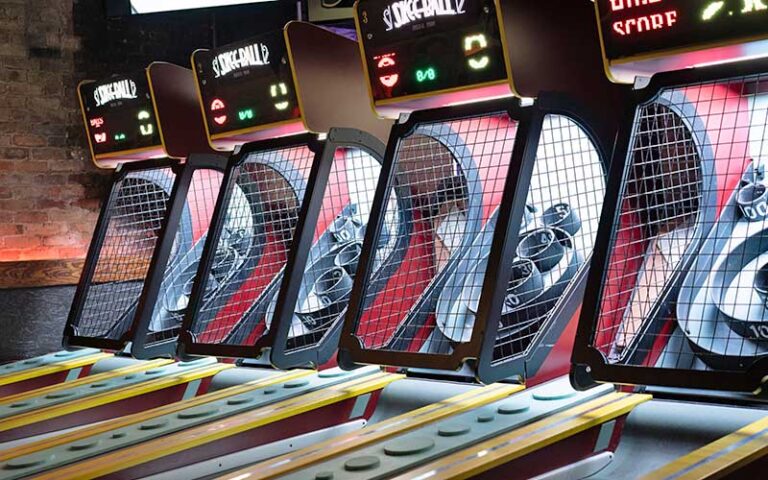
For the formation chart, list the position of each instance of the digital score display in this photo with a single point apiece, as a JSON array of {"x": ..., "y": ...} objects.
[
  {"x": 246, "y": 85},
  {"x": 119, "y": 114},
  {"x": 638, "y": 27},
  {"x": 415, "y": 47}
]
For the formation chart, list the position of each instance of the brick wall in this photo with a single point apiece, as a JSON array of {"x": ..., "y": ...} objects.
[{"x": 49, "y": 191}]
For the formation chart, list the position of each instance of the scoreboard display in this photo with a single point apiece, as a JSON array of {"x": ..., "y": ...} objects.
[
  {"x": 632, "y": 28},
  {"x": 246, "y": 86},
  {"x": 420, "y": 47},
  {"x": 119, "y": 114}
]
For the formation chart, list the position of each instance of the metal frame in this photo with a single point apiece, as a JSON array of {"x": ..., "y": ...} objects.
[
  {"x": 527, "y": 363},
  {"x": 140, "y": 348},
  {"x": 187, "y": 344},
  {"x": 351, "y": 351},
  {"x": 71, "y": 337},
  {"x": 589, "y": 365},
  {"x": 298, "y": 255}
]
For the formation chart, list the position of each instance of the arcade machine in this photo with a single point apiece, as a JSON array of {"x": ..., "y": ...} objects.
[
  {"x": 678, "y": 305},
  {"x": 145, "y": 240},
  {"x": 506, "y": 198},
  {"x": 310, "y": 197}
]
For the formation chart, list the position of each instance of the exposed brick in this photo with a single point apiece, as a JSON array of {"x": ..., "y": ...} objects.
[{"x": 29, "y": 140}]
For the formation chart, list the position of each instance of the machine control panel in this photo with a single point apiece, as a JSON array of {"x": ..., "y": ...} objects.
[
  {"x": 246, "y": 86},
  {"x": 421, "y": 48},
  {"x": 119, "y": 114},
  {"x": 639, "y": 27}
]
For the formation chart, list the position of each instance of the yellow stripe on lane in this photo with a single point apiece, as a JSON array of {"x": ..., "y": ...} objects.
[
  {"x": 490, "y": 454},
  {"x": 195, "y": 437},
  {"x": 93, "y": 401},
  {"x": 63, "y": 366},
  {"x": 99, "y": 377},
  {"x": 284, "y": 464},
  {"x": 140, "y": 417},
  {"x": 719, "y": 458}
]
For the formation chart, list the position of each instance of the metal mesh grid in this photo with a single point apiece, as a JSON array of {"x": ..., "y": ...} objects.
[
  {"x": 337, "y": 246},
  {"x": 562, "y": 213},
  {"x": 452, "y": 176},
  {"x": 135, "y": 216},
  {"x": 684, "y": 286},
  {"x": 181, "y": 270},
  {"x": 252, "y": 247}
]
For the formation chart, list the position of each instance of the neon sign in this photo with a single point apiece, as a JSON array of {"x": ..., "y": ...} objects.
[
  {"x": 120, "y": 90},
  {"x": 403, "y": 12},
  {"x": 97, "y": 122},
  {"x": 100, "y": 137},
  {"x": 253, "y": 55}
]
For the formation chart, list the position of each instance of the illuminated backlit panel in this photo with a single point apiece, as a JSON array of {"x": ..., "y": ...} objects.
[
  {"x": 555, "y": 242},
  {"x": 244, "y": 260},
  {"x": 310, "y": 309},
  {"x": 247, "y": 91},
  {"x": 175, "y": 271},
  {"x": 120, "y": 117},
  {"x": 426, "y": 54},
  {"x": 678, "y": 295},
  {"x": 641, "y": 37},
  {"x": 449, "y": 169},
  {"x": 120, "y": 255}
]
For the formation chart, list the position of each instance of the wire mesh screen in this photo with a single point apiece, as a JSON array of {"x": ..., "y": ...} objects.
[
  {"x": 332, "y": 263},
  {"x": 685, "y": 284},
  {"x": 252, "y": 247},
  {"x": 558, "y": 232},
  {"x": 451, "y": 177},
  {"x": 134, "y": 214},
  {"x": 181, "y": 269}
]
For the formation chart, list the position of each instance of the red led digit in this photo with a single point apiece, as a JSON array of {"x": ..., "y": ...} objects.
[
  {"x": 385, "y": 63},
  {"x": 216, "y": 105}
]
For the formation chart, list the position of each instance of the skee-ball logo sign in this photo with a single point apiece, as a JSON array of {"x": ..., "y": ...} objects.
[
  {"x": 253, "y": 55},
  {"x": 403, "y": 12},
  {"x": 120, "y": 90}
]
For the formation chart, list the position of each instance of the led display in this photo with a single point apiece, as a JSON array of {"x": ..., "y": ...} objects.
[
  {"x": 636, "y": 27},
  {"x": 119, "y": 114},
  {"x": 425, "y": 46},
  {"x": 246, "y": 85}
]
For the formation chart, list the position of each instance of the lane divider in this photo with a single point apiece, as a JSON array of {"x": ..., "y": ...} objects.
[
  {"x": 139, "y": 384},
  {"x": 136, "y": 418},
  {"x": 38, "y": 396},
  {"x": 720, "y": 458},
  {"x": 278, "y": 466},
  {"x": 49, "y": 364},
  {"x": 505, "y": 448},
  {"x": 397, "y": 454},
  {"x": 168, "y": 445}
]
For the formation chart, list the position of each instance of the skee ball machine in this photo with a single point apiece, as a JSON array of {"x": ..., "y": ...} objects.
[
  {"x": 504, "y": 202},
  {"x": 677, "y": 305},
  {"x": 144, "y": 240},
  {"x": 306, "y": 203},
  {"x": 132, "y": 134}
]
